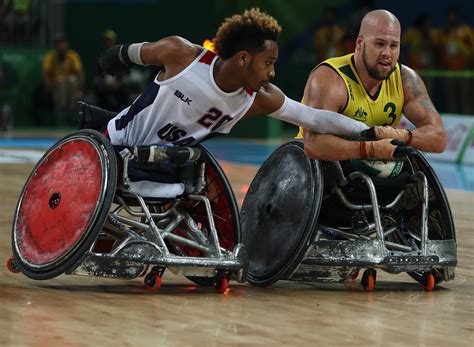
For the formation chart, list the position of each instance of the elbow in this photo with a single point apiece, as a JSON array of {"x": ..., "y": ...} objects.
[
  {"x": 311, "y": 145},
  {"x": 441, "y": 143},
  {"x": 312, "y": 152}
]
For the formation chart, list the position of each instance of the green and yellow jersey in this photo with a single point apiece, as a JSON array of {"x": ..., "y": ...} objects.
[{"x": 384, "y": 108}]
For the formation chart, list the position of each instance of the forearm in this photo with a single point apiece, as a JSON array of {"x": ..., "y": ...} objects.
[
  {"x": 118, "y": 59},
  {"x": 329, "y": 147},
  {"x": 427, "y": 138},
  {"x": 319, "y": 121}
]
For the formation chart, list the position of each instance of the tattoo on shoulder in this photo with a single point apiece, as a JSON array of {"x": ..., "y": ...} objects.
[{"x": 415, "y": 85}]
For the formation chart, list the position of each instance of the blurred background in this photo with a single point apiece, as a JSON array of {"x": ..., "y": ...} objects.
[{"x": 36, "y": 93}]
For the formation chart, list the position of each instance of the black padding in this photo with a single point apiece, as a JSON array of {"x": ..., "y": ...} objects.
[
  {"x": 159, "y": 172},
  {"x": 92, "y": 117},
  {"x": 279, "y": 213},
  {"x": 115, "y": 60}
]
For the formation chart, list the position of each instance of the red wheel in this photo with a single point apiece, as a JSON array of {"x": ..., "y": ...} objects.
[
  {"x": 224, "y": 210},
  {"x": 64, "y": 204},
  {"x": 368, "y": 279},
  {"x": 222, "y": 285},
  {"x": 12, "y": 266},
  {"x": 429, "y": 282},
  {"x": 152, "y": 282},
  {"x": 370, "y": 283}
]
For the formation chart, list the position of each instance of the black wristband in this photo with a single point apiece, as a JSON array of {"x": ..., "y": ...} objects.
[{"x": 124, "y": 55}]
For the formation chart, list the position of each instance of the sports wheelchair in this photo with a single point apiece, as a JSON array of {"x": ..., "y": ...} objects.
[
  {"x": 309, "y": 220},
  {"x": 88, "y": 209}
]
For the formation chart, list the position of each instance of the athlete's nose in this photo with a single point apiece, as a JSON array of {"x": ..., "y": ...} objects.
[{"x": 272, "y": 74}]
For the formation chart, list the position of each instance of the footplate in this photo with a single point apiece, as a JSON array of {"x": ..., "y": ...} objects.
[
  {"x": 130, "y": 260},
  {"x": 324, "y": 256}
]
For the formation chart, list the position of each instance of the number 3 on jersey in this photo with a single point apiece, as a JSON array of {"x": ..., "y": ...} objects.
[{"x": 390, "y": 108}]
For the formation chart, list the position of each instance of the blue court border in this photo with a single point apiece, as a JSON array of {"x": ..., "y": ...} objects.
[{"x": 452, "y": 176}]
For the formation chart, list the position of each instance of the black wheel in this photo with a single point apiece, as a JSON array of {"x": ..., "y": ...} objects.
[
  {"x": 64, "y": 204},
  {"x": 279, "y": 213},
  {"x": 225, "y": 211},
  {"x": 440, "y": 219}
]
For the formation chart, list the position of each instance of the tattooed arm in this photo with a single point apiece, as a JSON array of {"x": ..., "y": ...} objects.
[{"x": 429, "y": 135}]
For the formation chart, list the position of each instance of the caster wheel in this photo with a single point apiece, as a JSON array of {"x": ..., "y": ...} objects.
[
  {"x": 12, "y": 266},
  {"x": 368, "y": 279},
  {"x": 222, "y": 285},
  {"x": 152, "y": 282},
  {"x": 429, "y": 282}
]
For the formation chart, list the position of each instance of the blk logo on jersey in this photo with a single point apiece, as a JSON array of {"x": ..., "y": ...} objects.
[{"x": 182, "y": 97}]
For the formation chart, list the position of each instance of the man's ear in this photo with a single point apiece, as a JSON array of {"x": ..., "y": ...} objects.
[
  {"x": 359, "y": 42},
  {"x": 242, "y": 58}
]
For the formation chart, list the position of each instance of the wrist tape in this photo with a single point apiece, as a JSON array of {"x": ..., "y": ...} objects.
[{"x": 133, "y": 53}]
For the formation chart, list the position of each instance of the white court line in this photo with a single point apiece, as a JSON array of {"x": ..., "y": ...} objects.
[{"x": 19, "y": 156}]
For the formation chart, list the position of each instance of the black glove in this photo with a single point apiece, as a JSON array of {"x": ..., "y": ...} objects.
[
  {"x": 402, "y": 151},
  {"x": 115, "y": 60},
  {"x": 367, "y": 135}
]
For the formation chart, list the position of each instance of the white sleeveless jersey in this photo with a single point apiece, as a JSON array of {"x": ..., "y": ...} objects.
[{"x": 183, "y": 110}]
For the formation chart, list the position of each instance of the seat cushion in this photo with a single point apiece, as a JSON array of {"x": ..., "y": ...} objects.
[{"x": 158, "y": 190}]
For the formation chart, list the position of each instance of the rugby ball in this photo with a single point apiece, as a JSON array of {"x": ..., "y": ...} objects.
[{"x": 378, "y": 168}]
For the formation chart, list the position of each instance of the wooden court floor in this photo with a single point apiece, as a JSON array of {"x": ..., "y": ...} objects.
[{"x": 83, "y": 311}]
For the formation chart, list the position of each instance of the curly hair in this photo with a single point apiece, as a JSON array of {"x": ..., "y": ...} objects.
[{"x": 247, "y": 31}]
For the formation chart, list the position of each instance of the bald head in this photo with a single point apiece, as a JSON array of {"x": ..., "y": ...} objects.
[
  {"x": 379, "y": 22},
  {"x": 378, "y": 45}
]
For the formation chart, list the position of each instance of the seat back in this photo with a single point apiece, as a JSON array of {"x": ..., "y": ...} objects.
[{"x": 92, "y": 117}]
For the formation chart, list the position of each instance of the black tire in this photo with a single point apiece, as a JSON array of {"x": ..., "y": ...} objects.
[
  {"x": 280, "y": 212},
  {"x": 95, "y": 143}
]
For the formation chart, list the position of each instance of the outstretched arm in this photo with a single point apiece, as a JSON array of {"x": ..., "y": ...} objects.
[{"x": 271, "y": 101}]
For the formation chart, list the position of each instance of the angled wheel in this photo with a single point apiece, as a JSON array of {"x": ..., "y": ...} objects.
[
  {"x": 224, "y": 208},
  {"x": 64, "y": 204},
  {"x": 279, "y": 213}
]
